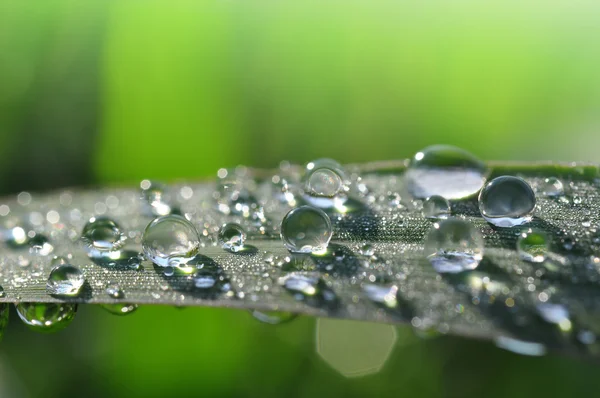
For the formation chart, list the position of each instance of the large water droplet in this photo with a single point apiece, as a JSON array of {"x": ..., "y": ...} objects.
[
  {"x": 120, "y": 308},
  {"x": 155, "y": 199},
  {"x": 551, "y": 187},
  {"x": 101, "y": 236},
  {"x": 454, "y": 246},
  {"x": 3, "y": 318},
  {"x": 46, "y": 317},
  {"x": 306, "y": 229},
  {"x": 507, "y": 201},
  {"x": 232, "y": 237},
  {"x": 170, "y": 241},
  {"x": 533, "y": 246},
  {"x": 446, "y": 171},
  {"x": 436, "y": 207},
  {"x": 65, "y": 280},
  {"x": 274, "y": 317}
]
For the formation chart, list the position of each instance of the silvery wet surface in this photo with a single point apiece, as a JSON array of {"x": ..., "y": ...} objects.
[{"x": 499, "y": 298}]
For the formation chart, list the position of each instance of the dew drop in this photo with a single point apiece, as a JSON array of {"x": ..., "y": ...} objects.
[
  {"x": 306, "y": 229},
  {"x": 436, "y": 207},
  {"x": 367, "y": 250},
  {"x": 555, "y": 313},
  {"x": 507, "y": 201},
  {"x": 120, "y": 308},
  {"x": 454, "y": 246},
  {"x": 155, "y": 199},
  {"x": 533, "y": 246},
  {"x": 232, "y": 237},
  {"x": 114, "y": 291},
  {"x": 309, "y": 288},
  {"x": 383, "y": 295},
  {"x": 551, "y": 187},
  {"x": 101, "y": 236},
  {"x": 325, "y": 183},
  {"x": 444, "y": 170},
  {"x": 170, "y": 240},
  {"x": 39, "y": 245},
  {"x": 46, "y": 317},
  {"x": 65, "y": 280},
  {"x": 274, "y": 317},
  {"x": 16, "y": 237}
]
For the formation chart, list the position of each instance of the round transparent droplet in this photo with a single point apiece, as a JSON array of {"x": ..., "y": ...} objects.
[
  {"x": 447, "y": 171},
  {"x": 274, "y": 317},
  {"x": 551, "y": 187},
  {"x": 170, "y": 241},
  {"x": 120, "y": 308},
  {"x": 65, "y": 280},
  {"x": 114, "y": 291},
  {"x": 533, "y": 246},
  {"x": 232, "y": 237},
  {"x": 101, "y": 236},
  {"x": 507, "y": 201},
  {"x": 436, "y": 207},
  {"x": 454, "y": 246},
  {"x": 156, "y": 201},
  {"x": 367, "y": 250},
  {"x": 46, "y": 317},
  {"x": 39, "y": 245},
  {"x": 306, "y": 229},
  {"x": 16, "y": 237},
  {"x": 325, "y": 183}
]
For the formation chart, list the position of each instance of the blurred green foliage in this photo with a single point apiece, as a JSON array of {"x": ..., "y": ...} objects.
[{"x": 108, "y": 92}]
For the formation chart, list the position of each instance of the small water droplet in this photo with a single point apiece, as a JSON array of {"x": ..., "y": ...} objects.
[
  {"x": 170, "y": 240},
  {"x": 232, "y": 237},
  {"x": 436, "y": 207},
  {"x": 274, "y": 317},
  {"x": 384, "y": 295},
  {"x": 306, "y": 229},
  {"x": 309, "y": 288},
  {"x": 533, "y": 246},
  {"x": 120, "y": 308},
  {"x": 155, "y": 199},
  {"x": 46, "y": 317},
  {"x": 454, "y": 246},
  {"x": 39, "y": 245},
  {"x": 16, "y": 237},
  {"x": 447, "y": 171},
  {"x": 367, "y": 250},
  {"x": 65, "y": 280},
  {"x": 101, "y": 236},
  {"x": 507, "y": 201},
  {"x": 551, "y": 187},
  {"x": 325, "y": 183},
  {"x": 205, "y": 281},
  {"x": 555, "y": 313},
  {"x": 519, "y": 346},
  {"x": 114, "y": 291}
]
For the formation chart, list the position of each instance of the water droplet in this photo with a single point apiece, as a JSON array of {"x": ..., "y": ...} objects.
[
  {"x": 274, "y": 317},
  {"x": 384, "y": 295},
  {"x": 65, "y": 280},
  {"x": 3, "y": 318},
  {"x": 325, "y": 183},
  {"x": 507, "y": 201},
  {"x": 170, "y": 241},
  {"x": 552, "y": 187},
  {"x": 555, "y": 313},
  {"x": 40, "y": 246},
  {"x": 533, "y": 246},
  {"x": 309, "y": 288},
  {"x": 519, "y": 346},
  {"x": 205, "y": 281},
  {"x": 446, "y": 171},
  {"x": 436, "y": 207},
  {"x": 155, "y": 199},
  {"x": 454, "y": 246},
  {"x": 306, "y": 229},
  {"x": 46, "y": 317},
  {"x": 232, "y": 237},
  {"x": 101, "y": 236},
  {"x": 367, "y": 250},
  {"x": 114, "y": 291},
  {"x": 120, "y": 308}
]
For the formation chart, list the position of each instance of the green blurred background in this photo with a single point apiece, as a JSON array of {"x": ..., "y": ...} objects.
[{"x": 101, "y": 92}]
